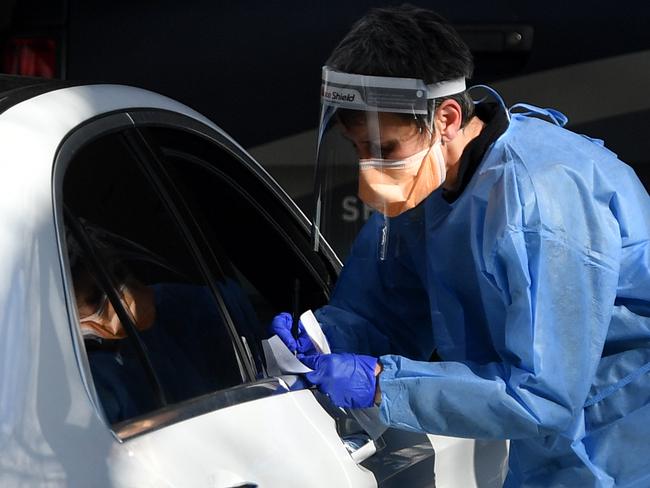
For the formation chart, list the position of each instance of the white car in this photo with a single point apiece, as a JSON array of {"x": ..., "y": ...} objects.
[{"x": 141, "y": 185}]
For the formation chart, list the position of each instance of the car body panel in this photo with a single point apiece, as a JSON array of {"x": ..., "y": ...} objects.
[
  {"x": 280, "y": 430},
  {"x": 469, "y": 462}
]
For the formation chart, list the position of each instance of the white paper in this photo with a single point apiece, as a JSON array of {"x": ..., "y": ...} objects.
[
  {"x": 312, "y": 327},
  {"x": 280, "y": 360}
]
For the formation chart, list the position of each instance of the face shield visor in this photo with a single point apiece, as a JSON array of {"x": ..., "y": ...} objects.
[{"x": 377, "y": 152}]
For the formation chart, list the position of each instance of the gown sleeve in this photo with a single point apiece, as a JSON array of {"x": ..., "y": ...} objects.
[{"x": 549, "y": 250}]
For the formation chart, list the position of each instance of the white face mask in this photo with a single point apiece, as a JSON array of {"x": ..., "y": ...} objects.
[{"x": 394, "y": 186}]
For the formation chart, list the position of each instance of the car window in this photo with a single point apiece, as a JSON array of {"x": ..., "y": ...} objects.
[
  {"x": 154, "y": 330},
  {"x": 263, "y": 252}
]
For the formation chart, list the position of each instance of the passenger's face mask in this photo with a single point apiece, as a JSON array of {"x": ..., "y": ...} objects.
[
  {"x": 105, "y": 323},
  {"x": 395, "y": 186}
]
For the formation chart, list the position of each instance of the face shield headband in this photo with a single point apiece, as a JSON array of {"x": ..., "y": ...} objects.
[{"x": 372, "y": 130}]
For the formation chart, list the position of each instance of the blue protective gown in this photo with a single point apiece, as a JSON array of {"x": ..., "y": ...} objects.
[{"x": 534, "y": 289}]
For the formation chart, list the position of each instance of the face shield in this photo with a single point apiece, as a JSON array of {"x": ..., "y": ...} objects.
[{"x": 377, "y": 152}]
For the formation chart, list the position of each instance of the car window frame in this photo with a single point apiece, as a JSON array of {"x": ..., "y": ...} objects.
[{"x": 250, "y": 389}]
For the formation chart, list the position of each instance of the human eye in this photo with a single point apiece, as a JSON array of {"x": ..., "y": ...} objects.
[{"x": 387, "y": 151}]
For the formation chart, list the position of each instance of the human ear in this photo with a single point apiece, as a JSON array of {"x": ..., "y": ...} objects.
[{"x": 449, "y": 117}]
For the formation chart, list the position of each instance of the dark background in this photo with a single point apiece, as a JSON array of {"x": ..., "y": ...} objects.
[{"x": 253, "y": 67}]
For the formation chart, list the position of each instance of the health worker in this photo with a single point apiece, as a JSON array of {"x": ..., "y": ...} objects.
[{"x": 514, "y": 251}]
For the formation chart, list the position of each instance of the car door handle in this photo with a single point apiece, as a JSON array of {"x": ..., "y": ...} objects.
[
  {"x": 360, "y": 447},
  {"x": 245, "y": 485}
]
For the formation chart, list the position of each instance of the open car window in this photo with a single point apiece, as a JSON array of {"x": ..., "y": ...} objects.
[
  {"x": 127, "y": 251},
  {"x": 180, "y": 253}
]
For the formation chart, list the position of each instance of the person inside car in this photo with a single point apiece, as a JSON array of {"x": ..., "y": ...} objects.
[{"x": 178, "y": 323}]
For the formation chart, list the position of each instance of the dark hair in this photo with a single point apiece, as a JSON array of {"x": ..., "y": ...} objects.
[{"x": 406, "y": 42}]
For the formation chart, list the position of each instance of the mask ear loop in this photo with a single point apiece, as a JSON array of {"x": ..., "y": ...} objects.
[
  {"x": 429, "y": 123},
  {"x": 432, "y": 111},
  {"x": 437, "y": 152},
  {"x": 495, "y": 94},
  {"x": 430, "y": 128}
]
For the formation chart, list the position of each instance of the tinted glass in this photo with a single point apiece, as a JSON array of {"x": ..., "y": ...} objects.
[
  {"x": 265, "y": 257},
  {"x": 130, "y": 227}
]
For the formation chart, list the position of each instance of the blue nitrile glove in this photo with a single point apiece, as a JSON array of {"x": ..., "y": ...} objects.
[
  {"x": 348, "y": 379},
  {"x": 281, "y": 326}
]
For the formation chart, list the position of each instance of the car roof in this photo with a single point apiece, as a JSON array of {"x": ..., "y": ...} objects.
[{"x": 15, "y": 89}]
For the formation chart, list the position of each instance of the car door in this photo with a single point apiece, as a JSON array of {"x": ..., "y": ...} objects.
[{"x": 185, "y": 393}]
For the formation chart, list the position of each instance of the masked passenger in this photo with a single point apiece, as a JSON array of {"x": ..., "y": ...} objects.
[
  {"x": 178, "y": 323},
  {"x": 513, "y": 249}
]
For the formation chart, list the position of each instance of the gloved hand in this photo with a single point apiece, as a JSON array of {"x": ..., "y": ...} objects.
[
  {"x": 281, "y": 326},
  {"x": 348, "y": 379}
]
